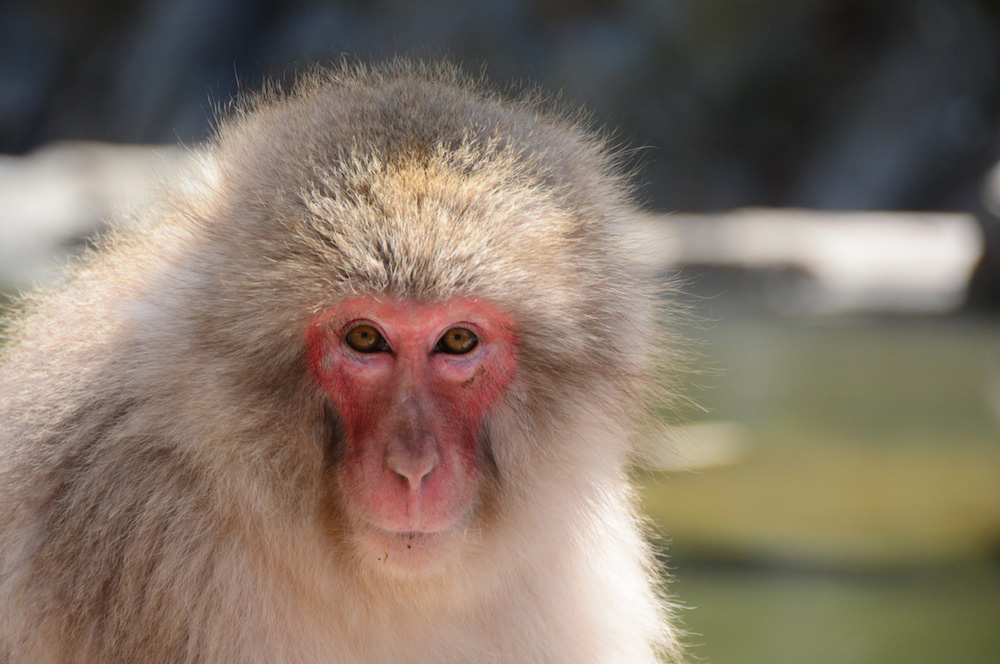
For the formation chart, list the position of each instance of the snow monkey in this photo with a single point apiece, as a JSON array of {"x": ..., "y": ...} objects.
[{"x": 365, "y": 395}]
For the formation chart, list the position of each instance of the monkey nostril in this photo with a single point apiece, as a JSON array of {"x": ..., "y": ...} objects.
[{"x": 412, "y": 468}]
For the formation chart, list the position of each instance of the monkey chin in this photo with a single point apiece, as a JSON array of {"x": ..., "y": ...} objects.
[{"x": 410, "y": 554}]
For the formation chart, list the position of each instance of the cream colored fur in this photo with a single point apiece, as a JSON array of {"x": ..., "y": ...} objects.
[{"x": 165, "y": 492}]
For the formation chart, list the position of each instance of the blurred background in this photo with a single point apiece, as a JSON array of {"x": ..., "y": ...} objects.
[{"x": 819, "y": 173}]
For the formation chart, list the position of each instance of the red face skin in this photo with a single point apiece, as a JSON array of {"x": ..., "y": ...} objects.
[{"x": 411, "y": 415}]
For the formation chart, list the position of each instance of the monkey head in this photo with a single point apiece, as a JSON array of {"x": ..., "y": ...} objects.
[{"x": 445, "y": 283}]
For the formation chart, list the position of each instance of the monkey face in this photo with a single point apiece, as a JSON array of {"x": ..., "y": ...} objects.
[{"x": 411, "y": 382}]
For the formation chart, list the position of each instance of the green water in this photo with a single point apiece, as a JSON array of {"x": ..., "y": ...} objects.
[
  {"x": 938, "y": 616},
  {"x": 860, "y": 521}
]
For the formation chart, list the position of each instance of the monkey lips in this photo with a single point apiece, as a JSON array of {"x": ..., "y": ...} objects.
[{"x": 411, "y": 382}]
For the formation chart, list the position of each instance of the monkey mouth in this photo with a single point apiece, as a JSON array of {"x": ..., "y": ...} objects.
[
  {"x": 410, "y": 552},
  {"x": 417, "y": 536}
]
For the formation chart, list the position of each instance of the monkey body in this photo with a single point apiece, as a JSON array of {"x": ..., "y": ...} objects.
[{"x": 364, "y": 398}]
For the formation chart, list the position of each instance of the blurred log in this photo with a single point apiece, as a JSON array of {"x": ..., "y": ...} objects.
[{"x": 821, "y": 262}]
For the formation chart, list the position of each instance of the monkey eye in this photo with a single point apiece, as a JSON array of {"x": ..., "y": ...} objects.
[
  {"x": 457, "y": 340},
  {"x": 366, "y": 339}
]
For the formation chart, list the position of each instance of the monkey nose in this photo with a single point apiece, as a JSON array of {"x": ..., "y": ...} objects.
[{"x": 412, "y": 467}]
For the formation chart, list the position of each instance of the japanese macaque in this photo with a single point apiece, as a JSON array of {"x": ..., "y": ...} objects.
[{"x": 365, "y": 396}]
